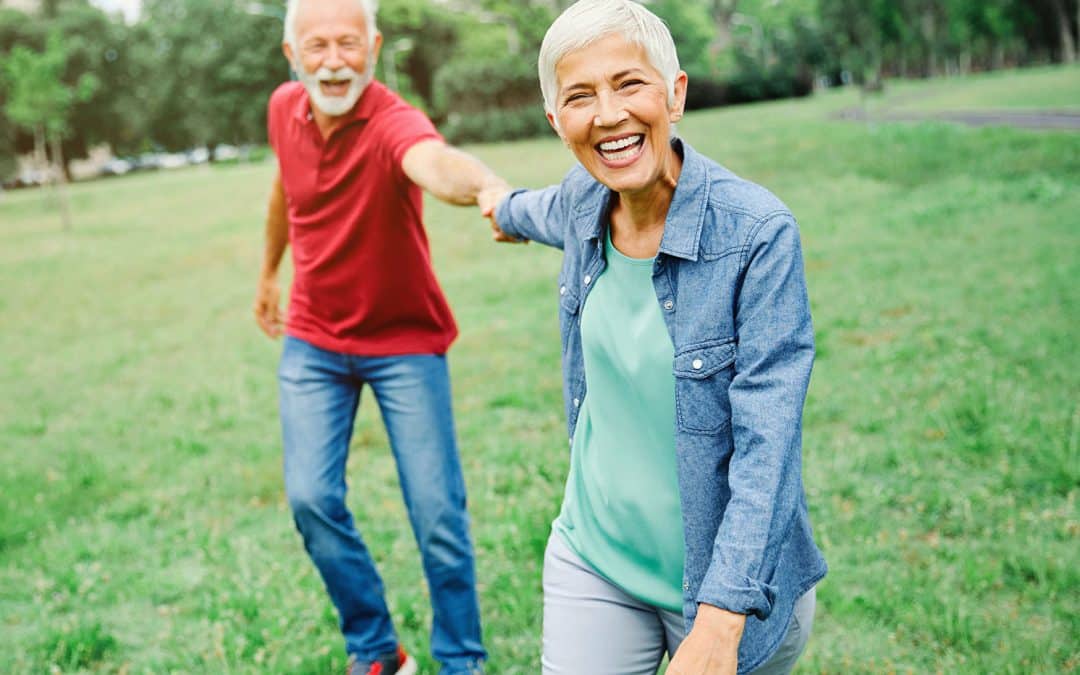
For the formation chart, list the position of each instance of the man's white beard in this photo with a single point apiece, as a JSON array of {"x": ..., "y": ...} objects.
[{"x": 334, "y": 106}]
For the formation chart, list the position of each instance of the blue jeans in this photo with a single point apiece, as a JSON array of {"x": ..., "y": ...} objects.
[{"x": 320, "y": 392}]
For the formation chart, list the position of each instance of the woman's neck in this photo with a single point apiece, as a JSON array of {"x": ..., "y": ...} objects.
[{"x": 637, "y": 219}]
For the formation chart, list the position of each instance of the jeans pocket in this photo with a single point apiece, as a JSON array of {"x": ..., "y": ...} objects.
[{"x": 703, "y": 375}]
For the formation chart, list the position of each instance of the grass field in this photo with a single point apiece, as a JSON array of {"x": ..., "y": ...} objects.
[
  {"x": 143, "y": 527},
  {"x": 1052, "y": 88}
]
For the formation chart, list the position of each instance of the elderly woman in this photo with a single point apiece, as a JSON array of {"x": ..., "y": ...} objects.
[{"x": 684, "y": 317}]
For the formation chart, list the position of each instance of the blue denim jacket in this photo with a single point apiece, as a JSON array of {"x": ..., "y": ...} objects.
[{"x": 729, "y": 280}]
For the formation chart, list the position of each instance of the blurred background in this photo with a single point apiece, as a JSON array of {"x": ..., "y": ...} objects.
[
  {"x": 153, "y": 83},
  {"x": 929, "y": 149}
]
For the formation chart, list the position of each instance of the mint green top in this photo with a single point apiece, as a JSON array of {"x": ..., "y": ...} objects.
[{"x": 621, "y": 510}]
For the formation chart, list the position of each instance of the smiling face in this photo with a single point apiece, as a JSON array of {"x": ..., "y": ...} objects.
[
  {"x": 613, "y": 112},
  {"x": 333, "y": 53}
]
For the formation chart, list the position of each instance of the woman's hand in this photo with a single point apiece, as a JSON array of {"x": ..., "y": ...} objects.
[
  {"x": 488, "y": 199},
  {"x": 712, "y": 647}
]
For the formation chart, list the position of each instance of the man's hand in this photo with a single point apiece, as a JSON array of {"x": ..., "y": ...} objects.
[
  {"x": 488, "y": 199},
  {"x": 712, "y": 647},
  {"x": 267, "y": 311}
]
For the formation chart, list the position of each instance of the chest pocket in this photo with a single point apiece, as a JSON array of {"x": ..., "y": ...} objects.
[{"x": 703, "y": 375}]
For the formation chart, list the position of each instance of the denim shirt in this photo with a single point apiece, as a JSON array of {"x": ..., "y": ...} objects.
[{"x": 729, "y": 280}]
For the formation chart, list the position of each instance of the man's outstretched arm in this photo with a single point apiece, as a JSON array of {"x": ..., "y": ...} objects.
[
  {"x": 452, "y": 175},
  {"x": 268, "y": 293}
]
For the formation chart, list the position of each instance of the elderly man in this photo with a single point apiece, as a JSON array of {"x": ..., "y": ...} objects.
[{"x": 365, "y": 308}]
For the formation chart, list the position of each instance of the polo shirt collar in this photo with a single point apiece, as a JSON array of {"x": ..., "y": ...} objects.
[{"x": 686, "y": 215}]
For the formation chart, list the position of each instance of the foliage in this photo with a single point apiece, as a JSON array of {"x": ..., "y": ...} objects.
[
  {"x": 213, "y": 67},
  {"x": 496, "y": 124},
  {"x": 486, "y": 100},
  {"x": 38, "y": 98},
  {"x": 427, "y": 36},
  {"x": 932, "y": 37},
  {"x": 199, "y": 72},
  {"x": 99, "y": 47},
  {"x": 693, "y": 30}
]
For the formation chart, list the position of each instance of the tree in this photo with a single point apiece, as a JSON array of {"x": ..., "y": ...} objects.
[
  {"x": 212, "y": 67},
  {"x": 40, "y": 102},
  {"x": 108, "y": 49},
  {"x": 722, "y": 11}
]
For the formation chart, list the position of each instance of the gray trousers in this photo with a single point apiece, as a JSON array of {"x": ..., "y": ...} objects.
[{"x": 591, "y": 627}]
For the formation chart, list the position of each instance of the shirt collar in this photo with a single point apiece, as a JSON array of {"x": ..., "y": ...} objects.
[{"x": 686, "y": 215}]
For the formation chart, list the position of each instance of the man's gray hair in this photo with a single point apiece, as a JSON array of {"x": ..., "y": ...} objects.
[
  {"x": 370, "y": 7},
  {"x": 587, "y": 21}
]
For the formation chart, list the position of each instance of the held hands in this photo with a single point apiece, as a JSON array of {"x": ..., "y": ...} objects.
[
  {"x": 267, "y": 310},
  {"x": 712, "y": 647},
  {"x": 488, "y": 199}
]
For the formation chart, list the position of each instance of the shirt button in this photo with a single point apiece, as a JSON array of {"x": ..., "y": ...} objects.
[
  {"x": 562, "y": 290},
  {"x": 587, "y": 278},
  {"x": 697, "y": 364},
  {"x": 669, "y": 305},
  {"x": 577, "y": 402},
  {"x": 685, "y": 586}
]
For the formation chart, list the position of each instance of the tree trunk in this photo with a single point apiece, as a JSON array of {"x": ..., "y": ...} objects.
[
  {"x": 722, "y": 12},
  {"x": 41, "y": 157},
  {"x": 42, "y": 170},
  {"x": 60, "y": 177},
  {"x": 1068, "y": 47}
]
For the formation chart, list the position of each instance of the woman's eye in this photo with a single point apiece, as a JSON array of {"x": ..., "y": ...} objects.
[
  {"x": 630, "y": 83},
  {"x": 576, "y": 98}
]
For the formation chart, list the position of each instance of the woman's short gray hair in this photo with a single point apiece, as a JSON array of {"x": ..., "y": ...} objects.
[
  {"x": 587, "y": 21},
  {"x": 370, "y": 7}
]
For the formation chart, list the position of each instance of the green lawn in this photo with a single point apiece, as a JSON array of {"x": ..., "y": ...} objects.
[
  {"x": 1053, "y": 88},
  {"x": 142, "y": 522}
]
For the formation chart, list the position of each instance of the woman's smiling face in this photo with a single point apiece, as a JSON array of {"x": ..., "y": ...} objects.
[{"x": 612, "y": 110}]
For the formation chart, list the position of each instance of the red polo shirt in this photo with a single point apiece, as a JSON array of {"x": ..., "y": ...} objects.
[{"x": 363, "y": 281}]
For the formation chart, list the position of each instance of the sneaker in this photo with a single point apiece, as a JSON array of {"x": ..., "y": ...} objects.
[{"x": 398, "y": 663}]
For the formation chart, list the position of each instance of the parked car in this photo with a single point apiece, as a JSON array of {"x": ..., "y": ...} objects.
[{"x": 117, "y": 167}]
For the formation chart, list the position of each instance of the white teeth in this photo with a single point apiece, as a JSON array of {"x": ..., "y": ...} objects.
[
  {"x": 613, "y": 146},
  {"x": 619, "y": 156}
]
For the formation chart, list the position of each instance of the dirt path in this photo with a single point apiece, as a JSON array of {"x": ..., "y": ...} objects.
[{"x": 1023, "y": 119}]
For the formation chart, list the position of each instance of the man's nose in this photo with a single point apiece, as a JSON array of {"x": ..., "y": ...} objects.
[{"x": 333, "y": 59}]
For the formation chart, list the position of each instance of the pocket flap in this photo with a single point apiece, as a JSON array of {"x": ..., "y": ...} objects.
[{"x": 701, "y": 362}]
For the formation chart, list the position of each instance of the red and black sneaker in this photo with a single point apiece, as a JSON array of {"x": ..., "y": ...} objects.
[{"x": 396, "y": 663}]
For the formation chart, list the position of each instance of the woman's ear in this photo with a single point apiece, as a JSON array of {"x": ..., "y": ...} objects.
[
  {"x": 555, "y": 126},
  {"x": 678, "y": 103}
]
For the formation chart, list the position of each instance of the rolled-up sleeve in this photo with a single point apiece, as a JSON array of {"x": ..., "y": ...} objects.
[
  {"x": 536, "y": 215},
  {"x": 774, "y": 356}
]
